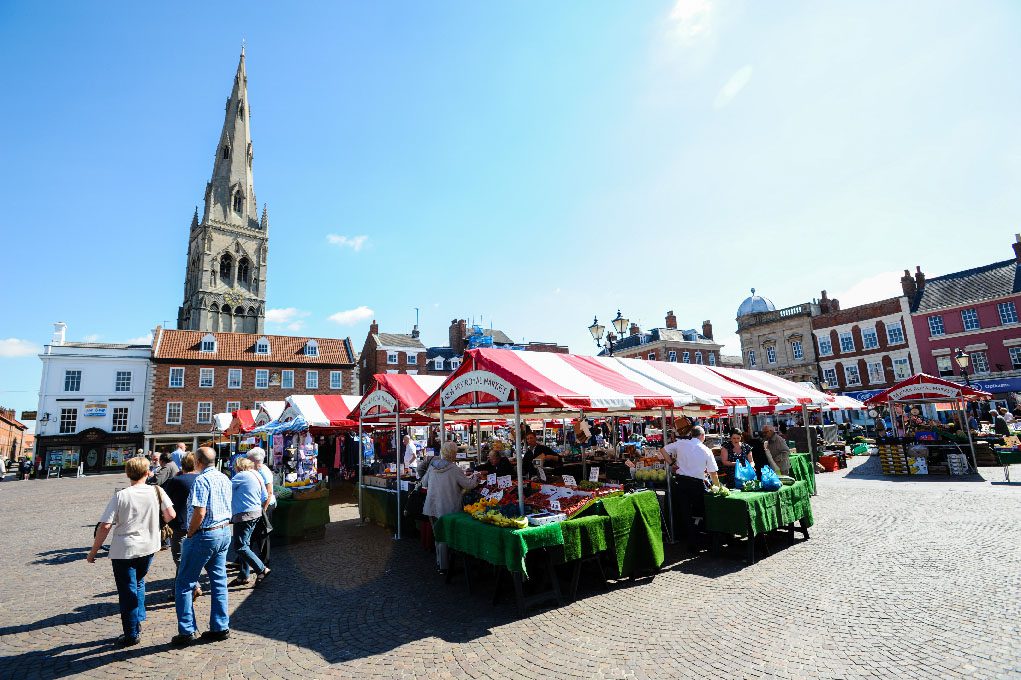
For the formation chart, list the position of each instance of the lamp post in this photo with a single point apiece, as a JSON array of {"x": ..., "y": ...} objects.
[
  {"x": 963, "y": 360},
  {"x": 620, "y": 324}
]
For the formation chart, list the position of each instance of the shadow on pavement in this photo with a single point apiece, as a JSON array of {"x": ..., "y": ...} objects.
[{"x": 62, "y": 556}]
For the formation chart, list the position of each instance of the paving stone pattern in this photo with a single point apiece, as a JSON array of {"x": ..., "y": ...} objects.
[{"x": 901, "y": 578}]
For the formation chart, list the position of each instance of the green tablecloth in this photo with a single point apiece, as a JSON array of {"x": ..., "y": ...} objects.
[
  {"x": 801, "y": 470},
  {"x": 758, "y": 511},
  {"x": 584, "y": 536},
  {"x": 1008, "y": 456},
  {"x": 294, "y": 518},
  {"x": 636, "y": 530},
  {"x": 497, "y": 545}
]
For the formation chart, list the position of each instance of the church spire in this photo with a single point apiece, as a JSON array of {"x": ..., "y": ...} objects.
[{"x": 230, "y": 194}]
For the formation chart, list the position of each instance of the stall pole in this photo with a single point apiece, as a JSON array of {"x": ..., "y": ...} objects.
[
  {"x": 669, "y": 477},
  {"x": 971, "y": 443},
  {"x": 811, "y": 445},
  {"x": 517, "y": 453},
  {"x": 361, "y": 461},
  {"x": 583, "y": 457},
  {"x": 400, "y": 466}
]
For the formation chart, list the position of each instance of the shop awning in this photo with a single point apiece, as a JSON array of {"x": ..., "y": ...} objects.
[
  {"x": 709, "y": 387},
  {"x": 840, "y": 403},
  {"x": 788, "y": 392},
  {"x": 320, "y": 410},
  {"x": 269, "y": 411},
  {"x": 401, "y": 392},
  {"x": 924, "y": 387},
  {"x": 242, "y": 422}
]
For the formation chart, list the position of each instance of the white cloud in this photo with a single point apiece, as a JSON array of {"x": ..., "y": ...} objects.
[
  {"x": 141, "y": 340},
  {"x": 16, "y": 347},
  {"x": 872, "y": 289},
  {"x": 734, "y": 86},
  {"x": 691, "y": 20},
  {"x": 92, "y": 337},
  {"x": 355, "y": 243},
  {"x": 352, "y": 316},
  {"x": 285, "y": 315}
]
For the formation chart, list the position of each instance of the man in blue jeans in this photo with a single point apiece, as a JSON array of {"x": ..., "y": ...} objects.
[{"x": 205, "y": 546}]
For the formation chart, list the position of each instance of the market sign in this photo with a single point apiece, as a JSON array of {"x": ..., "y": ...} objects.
[
  {"x": 29, "y": 415},
  {"x": 992, "y": 386},
  {"x": 919, "y": 391},
  {"x": 476, "y": 381},
  {"x": 94, "y": 409},
  {"x": 381, "y": 398}
]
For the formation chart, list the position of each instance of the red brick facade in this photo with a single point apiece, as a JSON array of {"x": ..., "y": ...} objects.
[
  {"x": 12, "y": 435},
  {"x": 377, "y": 351}
]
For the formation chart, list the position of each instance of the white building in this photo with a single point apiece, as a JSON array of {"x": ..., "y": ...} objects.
[{"x": 91, "y": 402}]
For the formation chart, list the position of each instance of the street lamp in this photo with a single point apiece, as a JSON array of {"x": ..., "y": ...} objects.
[
  {"x": 620, "y": 324},
  {"x": 963, "y": 359}
]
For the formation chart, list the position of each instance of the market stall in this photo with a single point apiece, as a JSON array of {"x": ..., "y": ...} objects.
[{"x": 919, "y": 446}]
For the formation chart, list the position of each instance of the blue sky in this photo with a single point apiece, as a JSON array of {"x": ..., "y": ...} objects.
[{"x": 526, "y": 164}]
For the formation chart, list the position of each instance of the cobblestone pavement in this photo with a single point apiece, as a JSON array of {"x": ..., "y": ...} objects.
[{"x": 905, "y": 578}]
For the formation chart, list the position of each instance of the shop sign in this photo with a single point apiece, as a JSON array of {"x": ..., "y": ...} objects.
[
  {"x": 381, "y": 398},
  {"x": 29, "y": 415},
  {"x": 924, "y": 390},
  {"x": 94, "y": 409},
  {"x": 995, "y": 386},
  {"x": 476, "y": 381}
]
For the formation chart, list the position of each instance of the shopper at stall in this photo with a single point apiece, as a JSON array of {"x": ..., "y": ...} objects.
[
  {"x": 691, "y": 461},
  {"x": 248, "y": 501},
  {"x": 136, "y": 513},
  {"x": 497, "y": 463},
  {"x": 1000, "y": 425},
  {"x": 445, "y": 483},
  {"x": 410, "y": 454},
  {"x": 178, "y": 489},
  {"x": 733, "y": 451},
  {"x": 534, "y": 451},
  {"x": 778, "y": 454},
  {"x": 260, "y": 539},
  {"x": 205, "y": 546}
]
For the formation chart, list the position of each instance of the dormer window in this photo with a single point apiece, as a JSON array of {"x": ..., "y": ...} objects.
[
  {"x": 262, "y": 346},
  {"x": 209, "y": 343},
  {"x": 311, "y": 348},
  {"x": 438, "y": 364}
]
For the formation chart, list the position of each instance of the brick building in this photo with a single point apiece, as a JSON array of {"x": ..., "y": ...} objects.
[
  {"x": 865, "y": 349},
  {"x": 390, "y": 353},
  {"x": 446, "y": 360},
  {"x": 195, "y": 374},
  {"x": 669, "y": 343},
  {"x": 12, "y": 436},
  {"x": 779, "y": 340},
  {"x": 975, "y": 311}
]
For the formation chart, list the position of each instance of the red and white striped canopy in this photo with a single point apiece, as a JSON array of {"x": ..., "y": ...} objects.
[
  {"x": 924, "y": 387},
  {"x": 269, "y": 411},
  {"x": 243, "y": 421},
  {"x": 321, "y": 410},
  {"x": 410, "y": 391},
  {"x": 788, "y": 392},
  {"x": 702, "y": 382}
]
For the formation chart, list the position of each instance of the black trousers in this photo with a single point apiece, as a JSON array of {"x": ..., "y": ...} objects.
[
  {"x": 260, "y": 540},
  {"x": 689, "y": 503}
]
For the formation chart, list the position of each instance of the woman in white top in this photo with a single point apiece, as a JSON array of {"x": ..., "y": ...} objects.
[{"x": 136, "y": 538}]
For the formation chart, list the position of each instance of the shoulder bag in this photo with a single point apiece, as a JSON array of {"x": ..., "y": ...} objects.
[{"x": 166, "y": 531}]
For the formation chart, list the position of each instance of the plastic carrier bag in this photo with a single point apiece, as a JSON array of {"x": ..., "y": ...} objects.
[
  {"x": 770, "y": 482},
  {"x": 743, "y": 472}
]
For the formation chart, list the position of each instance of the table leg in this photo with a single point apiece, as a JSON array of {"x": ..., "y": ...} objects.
[
  {"x": 554, "y": 581},
  {"x": 575, "y": 577},
  {"x": 452, "y": 556},
  {"x": 804, "y": 528},
  {"x": 519, "y": 594},
  {"x": 790, "y": 533},
  {"x": 717, "y": 539}
]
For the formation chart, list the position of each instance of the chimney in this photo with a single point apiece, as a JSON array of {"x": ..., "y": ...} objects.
[
  {"x": 834, "y": 305},
  {"x": 707, "y": 329},
  {"x": 373, "y": 328},
  {"x": 59, "y": 333},
  {"x": 908, "y": 284},
  {"x": 1016, "y": 245},
  {"x": 635, "y": 330},
  {"x": 456, "y": 335},
  {"x": 824, "y": 304},
  {"x": 414, "y": 331},
  {"x": 671, "y": 320},
  {"x": 919, "y": 278}
]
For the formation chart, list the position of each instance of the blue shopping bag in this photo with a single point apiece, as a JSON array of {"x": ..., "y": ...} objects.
[
  {"x": 743, "y": 472},
  {"x": 770, "y": 481}
]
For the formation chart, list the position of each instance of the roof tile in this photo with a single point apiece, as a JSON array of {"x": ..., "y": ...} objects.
[
  {"x": 971, "y": 285},
  {"x": 176, "y": 344}
]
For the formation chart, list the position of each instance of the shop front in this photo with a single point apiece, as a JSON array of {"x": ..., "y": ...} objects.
[{"x": 96, "y": 449}]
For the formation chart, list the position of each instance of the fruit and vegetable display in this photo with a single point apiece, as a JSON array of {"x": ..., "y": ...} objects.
[
  {"x": 752, "y": 485},
  {"x": 720, "y": 491},
  {"x": 651, "y": 475},
  {"x": 497, "y": 518},
  {"x": 481, "y": 505}
]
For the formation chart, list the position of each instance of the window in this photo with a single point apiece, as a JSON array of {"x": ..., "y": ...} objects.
[
  {"x": 233, "y": 406},
  {"x": 652, "y": 356},
  {"x": 208, "y": 343},
  {"x": 122, "y": 383},
  {"x": 234, "y": 378},
  {"x": 846, "y": 342},
  {"x": 262, "y": 346},
  {"x": 257, "y": 405},
  {"x": 671, "y": 356},
  {"x": 68, "y": 420},
  {"x": 751, "y": 358},
  {"x": 243, "y": 270},
  {"x": 936, "y": 326},
  {"x": 1015, "y": 357},
  {"x": 226, "y": 268},
  {"x": 438, "y": 364},
  {"x": 412, "y": 358},
  {"x": 238, "y": 202},
  {"x": 876, "y": 373},
  {"x": 829, "y": 376},
  {"x": 311, "y": 348},
  {"x": 226, "y": 152},
  {"x": 980, "y": 362},
  {"x": 825, "y": 346},
  {"x": 945, "y": 367},
  {"x": 712, "y": 359},
  {"x": 261, "y": 378},
  {"x": 287, "y": 379},
  {"x": 176, "y": 377},
  {"x": 312, "y": 380},
  {"x": 771, "y": 355},
  {"x": 851, "y": 374},
  {"x": 894, "y": 333},
  {"x": 455, "y": 364},
  {"x": 173, "y": 413},
  {"x": 969, "y": 317},
  {"x": 336, "y": 380},
  {"x": 204, "y": 414},
  {"x": 869, "y": 339},
  {"x": 72, "y": 381},
  {"x": 206, "y": 377},
  {"x": 392, "y": 358},
  {"x": 901, "y": 368},
  {"x": 796, "y": 350},
  {"x": 1008, "y": 313},
  {"x": 686, "y": 357},
  {"x": 698, "y": 357},
  {"x": 120, "y": 419}
]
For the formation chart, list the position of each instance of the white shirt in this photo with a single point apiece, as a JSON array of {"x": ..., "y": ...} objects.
[
  {"x": 693, "y": 458},
  {"x": 267, "y": 477},
  {"x": 1009, "y": 417},
  {"x": 135, "y": 514},
  {"x": 410, "y": 456}
]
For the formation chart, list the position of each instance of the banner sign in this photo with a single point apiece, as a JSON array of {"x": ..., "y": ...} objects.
[
  {"x": 476, "y": 381},
  {"x": 94, "y": 409},
  {"x": 925, "y": 391},
  {"x": 381, "y": 398}
]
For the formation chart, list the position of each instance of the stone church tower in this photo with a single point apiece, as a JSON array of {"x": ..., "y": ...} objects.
[{"x": 225, "y": 284}]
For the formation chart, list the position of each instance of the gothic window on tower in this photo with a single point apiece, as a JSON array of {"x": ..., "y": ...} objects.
[
  {"x": 243, "y": 276},
  {"x": 238, "y": 202},
  {"x": 226, "y": 152},
  {"x": 226, "y": 265}
]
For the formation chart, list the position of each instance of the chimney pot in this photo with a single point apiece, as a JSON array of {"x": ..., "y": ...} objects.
[
  {"x": 919, "y": 278},
  {"x": 707, "y": 329},
  {"x": 908, "y": 284},
  {"x": 59, "y": 333},
  {"x": 671, "y": 320},
  {"x": 1017, "y": 247},
  {"x": 634, "y": 329}
]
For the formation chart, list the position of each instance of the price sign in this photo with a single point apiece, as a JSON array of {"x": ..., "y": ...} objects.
[
  {"x": 503, "y": 482},
  {"x": 542, "y": 475},
  {"x": 485, "y": 492},
  {"x": 491, "y": 479},
  {"x": 569, "y": 481},
  {"x": 498, "y": 495},
  {"x": 554, "y": 505},
  {"x": 593, "y": 474}
]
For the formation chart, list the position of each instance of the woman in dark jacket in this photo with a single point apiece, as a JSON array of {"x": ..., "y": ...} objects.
[
  {"x": 759, "y": 457},
  {"x": 733, "y": 451}
]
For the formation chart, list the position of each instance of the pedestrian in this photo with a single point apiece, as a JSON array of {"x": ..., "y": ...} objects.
[
  {"x": 777, "y": 452},
  {"x": 205, "y": 546},
  {"x": 1000, "y": 426},
  {"x": 446, "y": 483},
  {"x": 262, "y": 530},
  {"x": 25, "y": 468},
  {"x": 410, "y": 455},
  {"x": 692, "y": 460},
  {"x": 179, "y": 489},
  {"x": 3, "y": 469},
  {"x": 136, "y": 513},
  {"x": 248, "y": 501},
  {"x": 179, "y": 453},
  {"x": 168, "y": 469}
]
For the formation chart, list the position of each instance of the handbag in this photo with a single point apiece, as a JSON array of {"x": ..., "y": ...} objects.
[
  {"x": 415, "y": 506},
  {"x": 166, "y": 531},
  {"x": 264, "y": 526}
]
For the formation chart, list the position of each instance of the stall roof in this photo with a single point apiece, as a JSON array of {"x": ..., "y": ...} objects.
[
  {"x": 924, "y": 387},
  {"x": 221, "y": 421},
  {"x": 321, "y": 410},
  {"x": 269, "y": 411},
  {"x": 242, "y": 422},
  {"x": 710, "y": 387},
  {"x": 789, "y": 392},
  {"x": 410, "y": 390}
]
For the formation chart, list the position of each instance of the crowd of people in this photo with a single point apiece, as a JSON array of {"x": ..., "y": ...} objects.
[{"x": 181, "y": 502}]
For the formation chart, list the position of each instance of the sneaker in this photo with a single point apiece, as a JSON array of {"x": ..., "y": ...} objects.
[
  {"x": 126, "y": 641},
  {"x": 184, "y": 640},
  {"x": 216, "y": 635},
  {"x": 262, "y": 577},
  {"x": 238, "y": 582}
]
